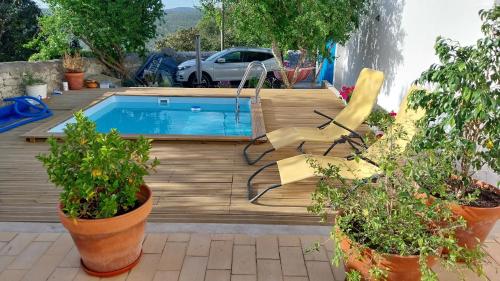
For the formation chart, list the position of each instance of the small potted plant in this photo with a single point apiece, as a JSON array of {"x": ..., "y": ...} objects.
[
  {"x": 74, "y": 70},
  {"x": 462, "y": 122},
  {"x": 379, "y": 120},
  {"x": 383, "y": 229},
  {"x": 104, "y": 203},
  {"x": 346, "y": 92},
  {"x": 35, "y": 87}
]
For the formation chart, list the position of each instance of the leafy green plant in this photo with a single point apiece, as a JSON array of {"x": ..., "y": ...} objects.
[
  {"x": 304, "y": 25},
  {"x": 18, "y": 24},
  {"x": 110, "y": 29},
  {"x": 29, "y": 79},
  {"x": 100, "y": 174},
  {"x": 389, "y": 215},
  {"x": 462, "y": 109},
  {"x": 381, "y": 119}
]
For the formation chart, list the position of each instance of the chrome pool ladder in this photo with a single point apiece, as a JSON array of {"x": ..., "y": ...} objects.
[{"x": 244, "y": 79}]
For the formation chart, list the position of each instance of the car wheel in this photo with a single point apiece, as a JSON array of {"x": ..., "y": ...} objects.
[{"x": 206, "y": 81}]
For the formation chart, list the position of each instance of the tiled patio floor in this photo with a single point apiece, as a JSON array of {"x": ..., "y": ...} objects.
[{"x": 193, "y": 257}]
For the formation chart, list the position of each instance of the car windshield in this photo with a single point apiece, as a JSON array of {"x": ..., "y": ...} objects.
[{"x": 216, "y": 55}]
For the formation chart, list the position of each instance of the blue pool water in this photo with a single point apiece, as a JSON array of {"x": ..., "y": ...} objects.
[{"x": 169, "y": 116}]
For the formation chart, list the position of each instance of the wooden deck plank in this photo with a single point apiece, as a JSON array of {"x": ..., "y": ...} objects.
[{"x": 197, "y": 181}]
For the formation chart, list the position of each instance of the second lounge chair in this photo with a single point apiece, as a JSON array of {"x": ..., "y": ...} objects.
[{"x": 349, "y": 119}]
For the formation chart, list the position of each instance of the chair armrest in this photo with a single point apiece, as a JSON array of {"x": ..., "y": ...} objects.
[{"x": 330, "y": 119}]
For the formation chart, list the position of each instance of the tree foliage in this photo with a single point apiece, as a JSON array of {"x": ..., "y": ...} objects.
[
  {"x": 305, "y": 25},
  {"x": 18, "y": 24},
  {"x": 109, "y": 28},
  {"x": 462, "y": 109}
]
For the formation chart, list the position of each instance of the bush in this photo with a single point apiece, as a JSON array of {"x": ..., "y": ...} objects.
[{"x": 100, "y": 173}]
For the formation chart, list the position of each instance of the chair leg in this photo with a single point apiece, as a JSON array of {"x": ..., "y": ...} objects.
[
  {"x": 252, "y": 198},
  {"x": 252, "y": 142},
  {"x": 300, "y": 148},
  {"x": 333, "y": 145}
]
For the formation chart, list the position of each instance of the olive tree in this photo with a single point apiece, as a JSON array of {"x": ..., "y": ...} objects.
[
  {"x": 305, "y": 25},
  {"x": 109, "y": 28}
]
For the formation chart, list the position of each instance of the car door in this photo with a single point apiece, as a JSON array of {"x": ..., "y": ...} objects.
[
  {"x": 230, "y": 68},
  {"x": 266, "y": 58}
]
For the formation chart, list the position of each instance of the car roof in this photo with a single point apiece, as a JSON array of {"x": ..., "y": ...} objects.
[{"x": 264, "y": 50}]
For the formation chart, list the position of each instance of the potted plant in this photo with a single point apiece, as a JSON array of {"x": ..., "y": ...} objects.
[
  {"x": 345, "y": 93},
  {"x": 73, "y": 70},
  {"x": 383, "y": 229},
  {"x": 379, "y": 120},
  {"x": 35, "y": 87},
  {"x": 104, "y": 202},
  {"x": 462, "y": 123}
]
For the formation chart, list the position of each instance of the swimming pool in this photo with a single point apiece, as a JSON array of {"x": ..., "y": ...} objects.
[{"x": 170, "y": 116}]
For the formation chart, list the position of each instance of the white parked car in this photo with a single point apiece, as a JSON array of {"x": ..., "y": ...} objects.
[{"x": 226, "y": 65}]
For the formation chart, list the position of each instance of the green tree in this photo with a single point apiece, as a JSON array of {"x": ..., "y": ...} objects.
[
  {"x": 109, "y": 28},
  {"x": 18, "y": 24},
  {"x": 305, "y": 25}
]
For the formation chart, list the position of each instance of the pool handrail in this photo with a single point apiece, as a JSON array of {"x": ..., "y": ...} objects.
[{"x": 244, "y": 79}]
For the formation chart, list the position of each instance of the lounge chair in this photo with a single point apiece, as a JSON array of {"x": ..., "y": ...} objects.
[
  {"x": 21, "y": 111},
  {"x": 349, "y": 119},
  {"x": 297, "y": 168}
]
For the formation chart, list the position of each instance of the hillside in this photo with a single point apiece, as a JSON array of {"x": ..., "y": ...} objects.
[{"x": 177, "y": 18}]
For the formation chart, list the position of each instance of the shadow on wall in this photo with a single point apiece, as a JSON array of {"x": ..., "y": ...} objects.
[{"x": 377, "y": 44}]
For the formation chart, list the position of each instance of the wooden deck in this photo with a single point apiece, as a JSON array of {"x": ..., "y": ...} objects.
[{"x": 197, "y": 181}]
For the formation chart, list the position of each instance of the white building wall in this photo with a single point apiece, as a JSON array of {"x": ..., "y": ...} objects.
[
  {"x": 401, "y": 42},
  {"x": 398, "y": 38}
]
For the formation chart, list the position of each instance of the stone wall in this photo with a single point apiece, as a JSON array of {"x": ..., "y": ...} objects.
[{"x": 51, "y": 72}]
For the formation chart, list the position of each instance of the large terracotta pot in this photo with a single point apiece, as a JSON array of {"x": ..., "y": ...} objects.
[
  {"x": 75, "y": 80},
  {"x": 400, "y": 268},
  {"x": 110, "y": 246}
]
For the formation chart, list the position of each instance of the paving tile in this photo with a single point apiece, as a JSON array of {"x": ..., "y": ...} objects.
[
  {"x": 2, "y": 244},
  {"x": 311, "y": 254},
  {"x": 72, "y": 258},
  {"x": 61, "y": 246},
  {"x": 194, "y": 269},
  {"x": 199, "y": 245},
  {"x": 172, "y": 256},
  {"x": 491, "y": 270},
  {"x": 5, "y": 261},
  {"x": 30, "y": 255},
  {"x": 7, "y": 236},
  {"x": 17, "y": 244},
  {"x": 44, "y": 267},
  {"x": 121, "y": 277},
  {"x": 218, "y": 275},
  {"x": 243, "y": 239},
  {"x": 146, "y": 269},
  {"x": 82, "y": 276},
  {"x": 154, "y": 243},
  {"x": 178, "y": 237},
  {"x": 221, "y": 253},
  {"x": 292, "y": 261},
  {"x": 47, "y": 237},
  {"x": 221, "y": 236},
  {"x": 12, "y": 275},
  {"x": 267, "y": 247},
  {"x": 166, "y": 276},
  {"x": 493, "y": 249},
  {"x": 288, "y": 241},
  {"x": 243, "y": 278},
  {"x": 319, "y": 271},
  {"x": 338, "y": 271},
  {"x": 460, "y": 273},
  {"x": 269, "y": 270},
  {"x": 63, "y": 274},
  {"x": 244, "y": 260},
  {"x": 295, "y": 278}
]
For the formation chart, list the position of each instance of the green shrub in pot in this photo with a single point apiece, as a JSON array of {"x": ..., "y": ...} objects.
[
  {"x": 462, "y": 123},
  {"x": 384, "y": 229},
  {"x": 104, "y": 202}
]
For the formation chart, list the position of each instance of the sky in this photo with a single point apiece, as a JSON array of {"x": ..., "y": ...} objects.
[{"x": 167, "y": 3}]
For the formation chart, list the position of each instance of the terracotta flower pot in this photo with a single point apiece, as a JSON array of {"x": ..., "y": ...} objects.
[
  {"x": 113, "y": 245},
  {"x": 75, "y": 80},
  {"x": 397, "y": 267}
]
